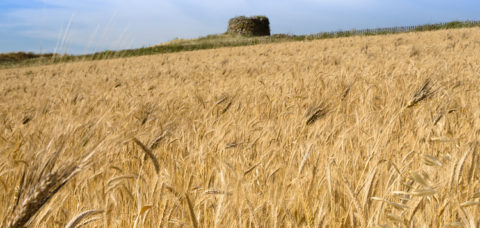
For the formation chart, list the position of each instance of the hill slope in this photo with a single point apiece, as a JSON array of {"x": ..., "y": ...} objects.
[
  {"x": 21, "y": 59},
  {"x": 358, "y": 131}
]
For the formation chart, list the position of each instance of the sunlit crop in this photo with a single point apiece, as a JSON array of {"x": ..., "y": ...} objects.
[{"x": 348, "y": 132}]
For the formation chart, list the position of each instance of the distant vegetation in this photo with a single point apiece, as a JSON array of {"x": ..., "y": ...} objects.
[
  {"x": 8, "y": 60},
  {"x": 21, "y": 56}
]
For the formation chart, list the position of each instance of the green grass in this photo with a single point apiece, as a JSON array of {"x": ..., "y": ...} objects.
[{"x": 20, "y": 59}]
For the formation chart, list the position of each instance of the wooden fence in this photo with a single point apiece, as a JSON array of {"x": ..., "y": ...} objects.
[{"x": 398, "y": 29}]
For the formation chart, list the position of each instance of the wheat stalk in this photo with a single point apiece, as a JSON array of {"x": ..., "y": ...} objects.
[
  {"x": 149, "y": 153},
  {"x": 44, "y": 187},
  {"x": 462, "y": 162},
  {"x": 421, "y": 94},
  {"x": 192, "y": 213},
  {"x": 77, "y": 219},
  {"x": 355, "y": 202},
  {"x": 316, "y": 112},
  {"x": 48, "y": 186}
]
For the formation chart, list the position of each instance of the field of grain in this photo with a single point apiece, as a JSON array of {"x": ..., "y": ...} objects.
[{"x": 348, "y": 132}]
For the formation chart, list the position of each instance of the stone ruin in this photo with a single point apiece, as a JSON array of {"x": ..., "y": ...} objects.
[{"x": 249, "y": 26}]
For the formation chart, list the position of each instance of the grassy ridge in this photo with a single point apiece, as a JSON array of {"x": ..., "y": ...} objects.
[{"x": 215, "y": 41}]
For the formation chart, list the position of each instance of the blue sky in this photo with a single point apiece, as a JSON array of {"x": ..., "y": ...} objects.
[{"x": 85, "y": 26}]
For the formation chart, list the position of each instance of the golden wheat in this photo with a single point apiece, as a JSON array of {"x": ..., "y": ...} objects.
[{"x": 321, "y": 133}]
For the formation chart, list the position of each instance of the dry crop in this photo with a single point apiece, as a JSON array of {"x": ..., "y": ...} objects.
[{"x": 348, "y": 132}]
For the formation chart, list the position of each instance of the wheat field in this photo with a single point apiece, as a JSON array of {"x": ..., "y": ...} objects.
[{"x": 376, "y": 131}]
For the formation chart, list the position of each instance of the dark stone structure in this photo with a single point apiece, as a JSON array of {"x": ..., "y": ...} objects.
[{"x": 249, "y": 26}]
